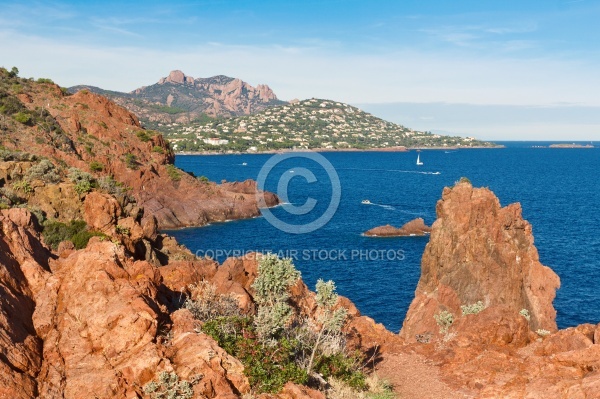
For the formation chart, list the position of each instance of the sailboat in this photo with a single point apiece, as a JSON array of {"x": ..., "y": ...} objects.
[{"x": 419, "y": 163}]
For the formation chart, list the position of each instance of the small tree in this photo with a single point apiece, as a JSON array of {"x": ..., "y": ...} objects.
[
  {"x": 275, "y": 277},
  {"x": 14, "y": 72},
  {"x": 330, "y": 320}
]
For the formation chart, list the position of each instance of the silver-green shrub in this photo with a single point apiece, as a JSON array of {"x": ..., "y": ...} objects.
[
  {"x": 169, "y": 386},
  {"x": 45, "y": 171},
  {"x": 542, "y": 333},
  {"x": 525, "y": 314},
  {"x": 331, "y": 320},
  {"x": 444, "y": 319},
  {"x": 83, "y": 180},
  {"x": 473, "y": 308},
  {"x": 206, "y": 304},
  {"x": 275, "y": 277}
]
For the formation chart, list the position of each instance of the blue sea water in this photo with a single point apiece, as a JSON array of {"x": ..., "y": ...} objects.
[{"x": 559, "y": 190}]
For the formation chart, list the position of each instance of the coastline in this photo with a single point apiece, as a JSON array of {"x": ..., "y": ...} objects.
[{"x": 381, "y": 149}]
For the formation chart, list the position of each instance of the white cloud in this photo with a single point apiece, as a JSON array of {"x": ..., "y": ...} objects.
[{"x": 320, "y": 70}]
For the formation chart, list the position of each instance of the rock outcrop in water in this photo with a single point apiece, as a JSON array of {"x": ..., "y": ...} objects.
[{"x": 415, "y": 227}]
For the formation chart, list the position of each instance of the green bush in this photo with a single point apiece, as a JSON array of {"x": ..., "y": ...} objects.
[
  {"x": 23, "y": 186},
  {"x": 158, "y": 149},
  {"x": 122, "y": 230},
  {"x": 274, "y": 346},
  {"x": 268, "y": 368},
  {"x": 23, "y": 118},
  {"x": 131, "y": 161},
  {"x": 110, "y": 186},
  {"x": 56, "y": 232},
  {"x": 142, "y": 135},
  {"x": 344, "y": 368},
  {"x": 83, "y": 180},
  {"x": 330, "y": 320},
  {"x": 14, "y": 72},
  {"x": 80, "y": 239},
  {"x": 45, "y": 80},
  {"x": 204, "y": 179},
  {"x": 173, "y": 172},
  {"x": 96, "y": 166}
]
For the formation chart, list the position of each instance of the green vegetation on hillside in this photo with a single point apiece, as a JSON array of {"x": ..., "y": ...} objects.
[{"x": 276, "y": 345}]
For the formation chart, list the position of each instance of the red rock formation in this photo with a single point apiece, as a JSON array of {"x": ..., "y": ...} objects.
[
  {"x": 20, "y": 347},
  {"x": 415, "y": 227},
  {"x": 479, "y": 251},
  {"x": 97, "y": 314},
  {"x": 98, "y": 130}
]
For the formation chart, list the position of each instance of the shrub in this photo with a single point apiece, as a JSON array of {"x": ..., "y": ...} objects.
[
  {"x": 110, "y": 186},
  {"x": 142, "y": 135},
  {"x": 80, "y": 239},
  {"x": 275, "y": 277},
  {"x": 158, "y": 149},
  {"x": 542, "y": 333},
  {"x": 444, "y": 319},
  {"x": 205, "y": 304},
  {"x": 169, "y": 386},
  {"x": 131, "y": 161},
  {"x": 56, "y": 232},
  {"x": 45, "y": 80},
  {"x": 330, "y": 320},
  {"x": 473, "y": 308},
  {"x": 83, "y": 180},
  {"x": 173, "y": 172},
  {"x": 268, "y": 368},
  {"x": 9, "y": 196},
  {"x": 23, "y": 186},
  {"x": 525, "y": 314},
  {"x": 23, "y": 118},
  {"x": 96, "y": 166},
  {"x": 45, "y": 171},
  {"x": 204, "y": 179},
  {"x": 342, "y": 367},
  {"x": 122, "y": 230},
  {"x": 14, "y": 72}
]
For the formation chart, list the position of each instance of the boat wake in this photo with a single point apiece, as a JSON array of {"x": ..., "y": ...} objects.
[
  {"x": 395, "y": 208},
  {"x": 394, "y": 170}
]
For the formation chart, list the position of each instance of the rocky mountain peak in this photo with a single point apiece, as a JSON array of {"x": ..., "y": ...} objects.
[{"x": 177, "y": 77}]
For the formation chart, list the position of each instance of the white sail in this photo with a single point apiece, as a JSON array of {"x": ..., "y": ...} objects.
[{"x": 419, "y": 160}]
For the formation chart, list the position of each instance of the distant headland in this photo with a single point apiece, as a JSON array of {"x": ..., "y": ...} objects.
[{"x": 572, "y": 145}]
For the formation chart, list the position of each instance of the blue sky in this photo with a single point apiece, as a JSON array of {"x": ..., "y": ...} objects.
[{"x": 493, "y": 69}]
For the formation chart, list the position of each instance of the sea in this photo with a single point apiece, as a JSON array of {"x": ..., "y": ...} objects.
[{"x": 332, "y": 198}]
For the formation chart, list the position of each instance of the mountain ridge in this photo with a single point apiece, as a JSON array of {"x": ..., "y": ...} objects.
[{"x": 180, "y": 98}]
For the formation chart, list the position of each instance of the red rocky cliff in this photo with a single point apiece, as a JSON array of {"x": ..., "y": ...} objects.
[{"x": 480, "y": 251}]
